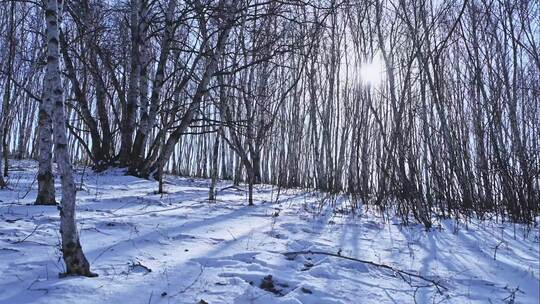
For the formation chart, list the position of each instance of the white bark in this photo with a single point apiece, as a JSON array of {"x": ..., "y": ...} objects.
[
  {"x": 53, "y": 104},
  {"x": 214, "y": 174},
  {"x": 45, "y": 177},
  {"x": 130, "y": 109},
  {"x": 2, "y": 114}
]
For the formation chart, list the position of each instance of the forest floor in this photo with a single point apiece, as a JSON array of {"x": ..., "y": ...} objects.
[{"x": 180, "y": 248}]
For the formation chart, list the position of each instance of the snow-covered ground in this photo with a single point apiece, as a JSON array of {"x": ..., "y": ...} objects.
[{"x": 180, "y": 248}]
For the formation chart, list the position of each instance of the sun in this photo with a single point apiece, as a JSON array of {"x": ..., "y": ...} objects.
[{"x": 372, "y": 72}]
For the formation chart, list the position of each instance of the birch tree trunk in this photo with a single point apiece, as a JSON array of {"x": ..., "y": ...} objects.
[
  {"x": 2, "y": 118},
  {"x": 46, "y": 192},
  {"x": 76, "y": 263},
  {"x": 215, "y": 172},
  {"x": 4, "y": 107},
  {"x": 130, "y": 108},
  {"x": 45, "y": 177},
  {"x": 148, "y": 118}
]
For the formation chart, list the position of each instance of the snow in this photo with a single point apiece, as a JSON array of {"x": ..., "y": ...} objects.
[{"x": 180, "y": 248}]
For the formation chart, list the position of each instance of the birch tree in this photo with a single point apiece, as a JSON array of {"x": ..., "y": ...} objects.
[{"x": 53, "y": 105}]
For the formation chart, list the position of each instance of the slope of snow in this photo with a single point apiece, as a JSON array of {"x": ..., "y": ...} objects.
[{"x": 180, "y": 248}]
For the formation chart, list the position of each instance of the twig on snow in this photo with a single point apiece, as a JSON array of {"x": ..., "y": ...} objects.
[
  {"x": 497, "y": 248},
  {"x": 26, "y": 237},
  {"x": 192, "y": 283},
  {"x": 37, "y": 289},
  {"x": 435, "y": 283},
  {"x": 150, "y": 299},
  {"x": 103, "y": 252},
  {"x": 231, "y": 234},
  {"x": 231, "y": 187}
]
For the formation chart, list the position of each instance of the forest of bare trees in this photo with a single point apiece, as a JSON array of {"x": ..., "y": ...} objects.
[{"x": 427, "y": 109}]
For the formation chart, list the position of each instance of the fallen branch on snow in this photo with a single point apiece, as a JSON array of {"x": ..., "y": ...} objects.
[
  {"x": 25, "y": 238},
  {"x": 438, "y": 285},
  {"x": 237, "y": 188},
  {"x": 192, "y": 283}
]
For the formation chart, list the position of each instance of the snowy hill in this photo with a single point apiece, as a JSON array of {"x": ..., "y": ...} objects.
[{"x": 180, "y": 248}]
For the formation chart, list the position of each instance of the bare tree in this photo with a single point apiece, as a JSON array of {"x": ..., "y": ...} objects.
[{"x": 53, "y": 105}]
